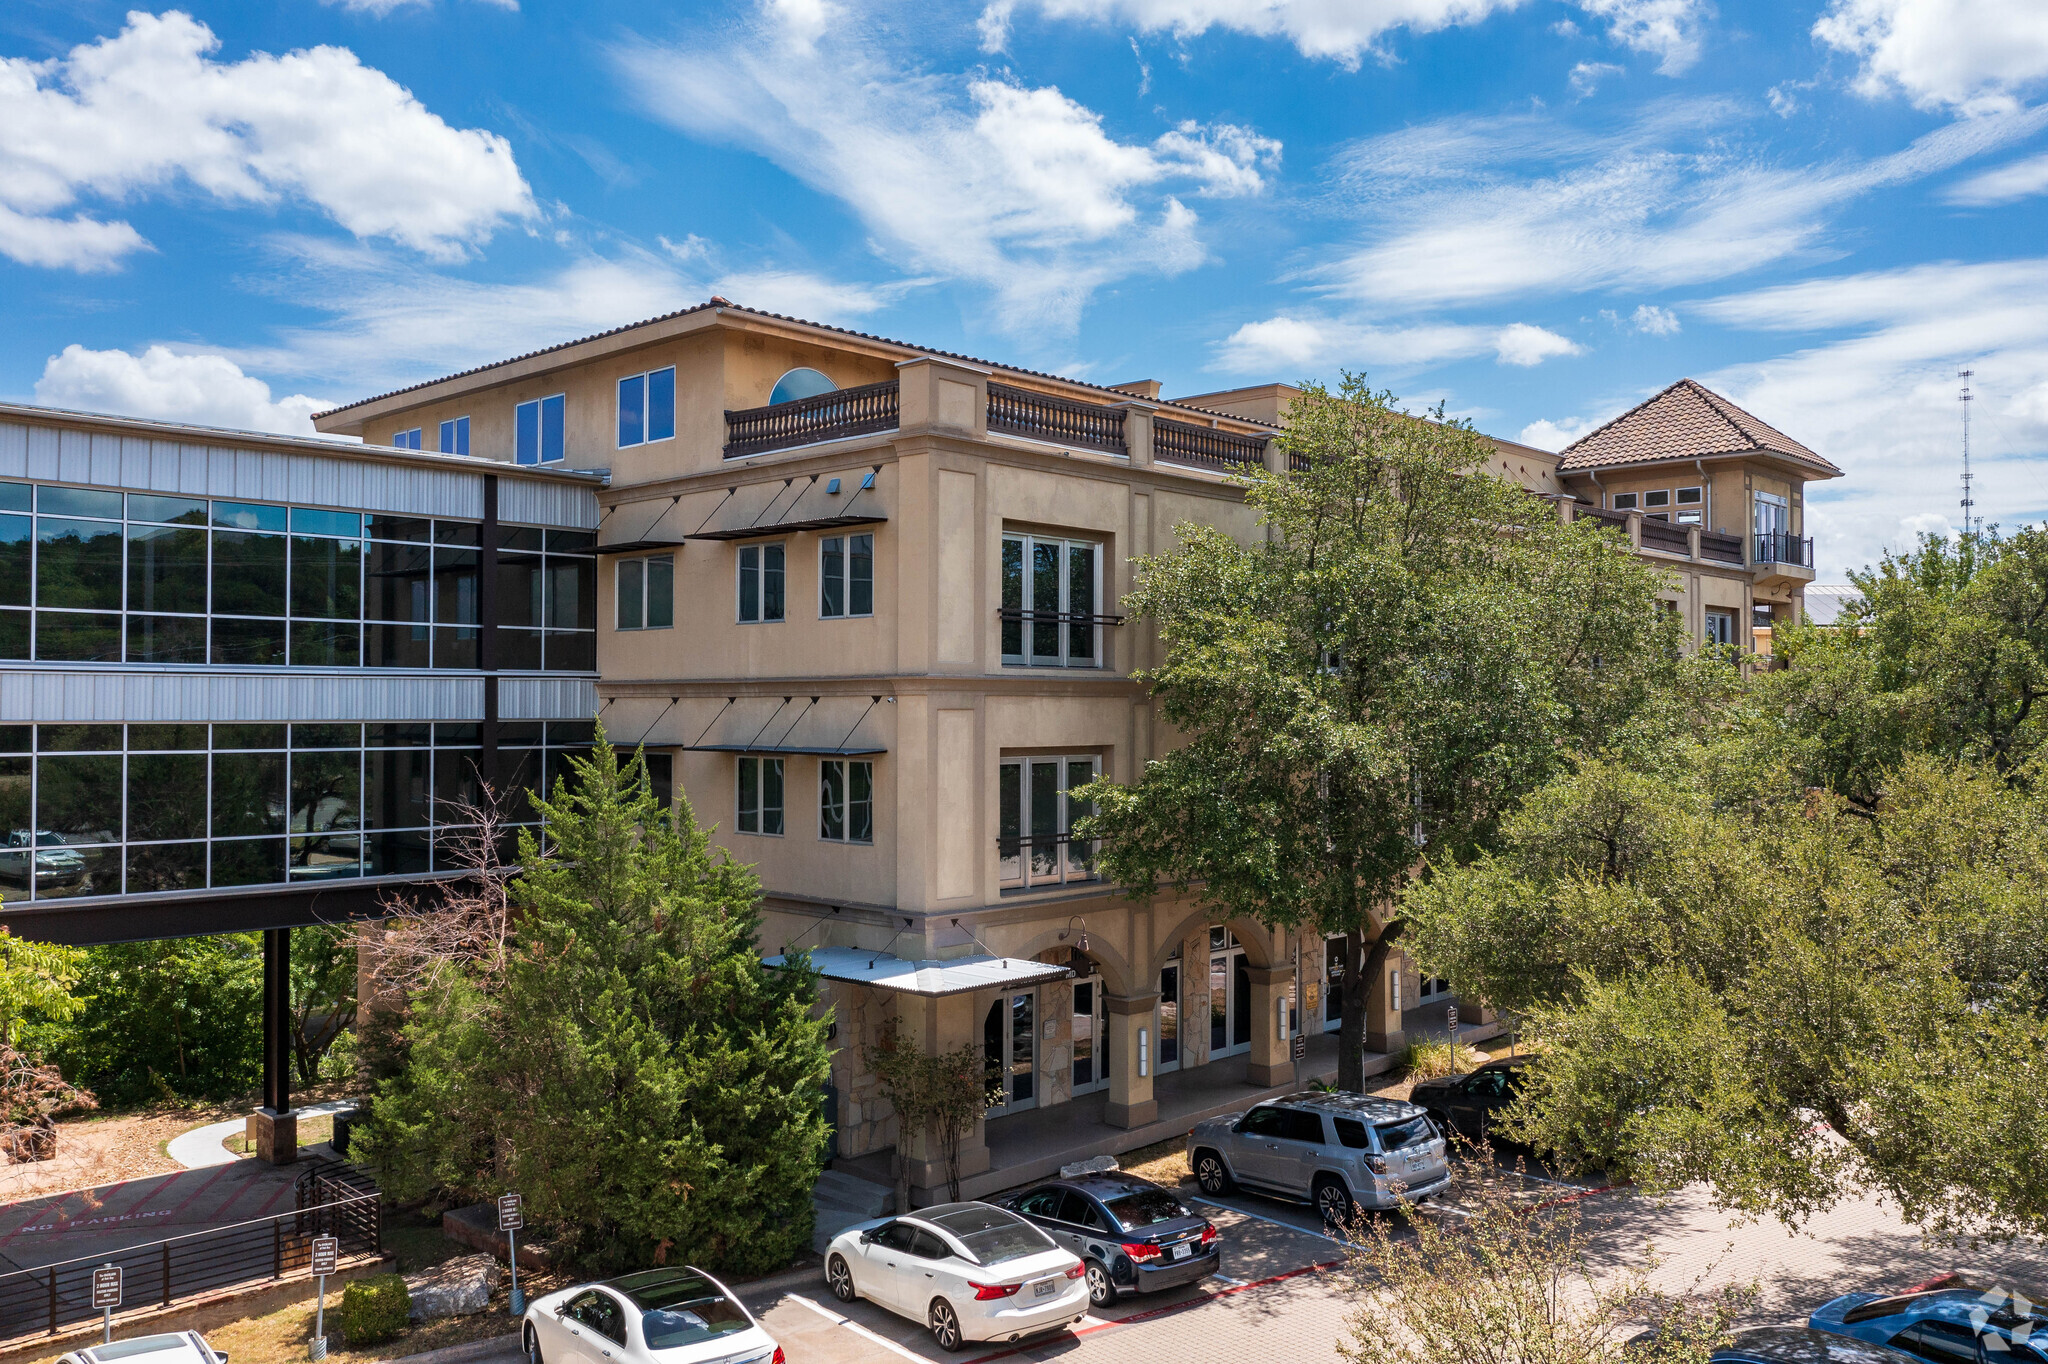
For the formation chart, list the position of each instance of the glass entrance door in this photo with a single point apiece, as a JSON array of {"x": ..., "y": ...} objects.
[
  {"x": 1009, "y": 1036},
  {"x": 1230, "y": 996},
  {"x": 1091, "y": 1036},
  {"x": 1168, "y": 1031}
]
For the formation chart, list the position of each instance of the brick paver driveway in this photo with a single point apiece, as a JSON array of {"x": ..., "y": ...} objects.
[{"x": 1277, "y": 1303}]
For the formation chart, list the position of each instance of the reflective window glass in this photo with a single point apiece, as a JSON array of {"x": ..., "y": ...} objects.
[
  {"x": 326, "y": 644},
  {"x": 79, "y": 502},
  {"x": 455, "y": 587},
  {"x": 166, "y": 639},
  {"x": 185, "y": 511},
  {"x": 78, "y": 564},
  {"x": 17, "y": 497},
  {"x": 571, "y": 651},
  {"x": 248, "y": 736},
  {"x": 248, "y": 574},
  {"x": 312, "y": 521},
  {"x": 78, "y": 795},
  {"x": 327, "y": 577},
  {"x": 396, "y": 646},
  {"x": 396, "y": 583},
  {"x": 249, "y": 516},
  {"x": 457, "y": 647},
  {"x": 397, "y": 788},
  {"x": 399, "y": 528},
  {"x": 248, "y": 862},
  {"x": 155, "y": 738},
  {"x": 78, "y": 738},
  {"x": 16, "y": 560},
  {"x": 166, "y": 569},
  {"x": 77, "y": 637},
  {"x": 519, "y": 590},
  {"x": 248, "y": 794},
  {"x": 162, "y": 796},
  {"x": 458, "y": 533},
  {"x": 326, "y": 791},
  {"x": 166, "y": 866},
  {"x": 252, "y": 643},
  {"x": 571, "y": 602},
  {"x": 15, "y": 634}
]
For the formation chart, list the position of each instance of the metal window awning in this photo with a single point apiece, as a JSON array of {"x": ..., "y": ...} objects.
[
  {"x": 814, "y": 750},
  {"x": 960, "y": 976},
  {"x": 639, "y": 546},
  {"x": 787, "y": 527}
]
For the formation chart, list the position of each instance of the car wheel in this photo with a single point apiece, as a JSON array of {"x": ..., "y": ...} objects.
[
  {"x": 1333, "y": 1201},
  {"x": 1101, "y": 1289},
  {"x": 841, "y": 1279},
  {"x": 945, "y": 1323},
  {"x": 533, "y": 1355},
  {"x": 1211, "y": 1174}
]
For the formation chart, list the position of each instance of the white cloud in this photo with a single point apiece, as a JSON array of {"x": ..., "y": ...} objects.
[
  {"x": 1020, "y": 189},
  {"x": 379, "y": 8},
  {"x": 1521, "y": 344},
  {"x": 1450, "y": 217},
  {"x": 1978, "y": 56},
  {"x": 1347, "y": 31},
  {"x": 1297, "y": 344},
  {"x": 205, "y": 390},
  {"x": 1549, "y": 435},
  {"x": 1586, "y": 77},
  {"x": 1881, "y": 400},
  {"x": 1656, "y": 321},
  {"x": 2016, "y": 180},
  {"x": 150, "y": 107},
  {"x": 994, "y": 25}
]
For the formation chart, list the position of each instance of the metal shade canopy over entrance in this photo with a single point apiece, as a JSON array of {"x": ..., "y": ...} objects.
[{"x": 959, "y": 976}]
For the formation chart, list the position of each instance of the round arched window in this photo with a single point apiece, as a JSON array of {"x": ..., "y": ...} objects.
[{"x": 800, "y": 383}]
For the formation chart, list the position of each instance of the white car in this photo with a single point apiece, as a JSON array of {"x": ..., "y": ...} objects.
[
  {"x": 969, "y": 1271},
  {"x": 673, "y": 1316},
  {"x": 181, "y": 1347}
]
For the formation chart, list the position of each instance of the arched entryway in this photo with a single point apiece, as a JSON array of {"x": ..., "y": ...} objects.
[{"x": 1230, "y": 995}]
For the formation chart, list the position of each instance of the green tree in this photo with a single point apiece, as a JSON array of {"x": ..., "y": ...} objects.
[
  {"x": 161, "y": 1019},
  {"x": 625, "y": 1061},
  {"x": 1779, "y": 996},
  {"x": 323, "y": 984},
  {"x": 1410, "y": 646}
]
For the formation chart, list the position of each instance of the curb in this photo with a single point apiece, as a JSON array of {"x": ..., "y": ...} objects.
[
  {"x": 458, "y": 1354},
  {"x": 779, "y": 1283}
]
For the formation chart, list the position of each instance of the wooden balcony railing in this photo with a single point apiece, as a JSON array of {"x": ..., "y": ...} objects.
[
  {"x": 1721, "y": 549},
  {"x": 1180, "y": 443},
  {"x": 829, "y": 416},
  {"x": 1040, "y": 416},
  {"x": 1662, "y": 535}
]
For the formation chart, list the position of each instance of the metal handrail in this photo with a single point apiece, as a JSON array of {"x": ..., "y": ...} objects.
[
  {"x": 1783, "y": 547},
  {"x": 1028, "y": 614}
]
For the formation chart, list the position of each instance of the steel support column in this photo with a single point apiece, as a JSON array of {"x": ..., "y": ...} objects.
[{"x": 277, "y": 1007}]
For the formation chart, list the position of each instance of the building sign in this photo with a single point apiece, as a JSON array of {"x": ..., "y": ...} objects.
[
  {"x": 511, "y": 1212},
  {"x": 326, "y": 1251},
  {"x": 106, "y": 1287}
]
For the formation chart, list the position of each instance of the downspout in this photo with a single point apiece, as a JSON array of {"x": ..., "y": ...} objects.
[
  {"x": 1707, "y": 494},
  {"x": 1594, "y": 474}
]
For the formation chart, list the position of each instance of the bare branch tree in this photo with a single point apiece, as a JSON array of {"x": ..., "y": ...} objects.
[{"x": 461, "y": 923}]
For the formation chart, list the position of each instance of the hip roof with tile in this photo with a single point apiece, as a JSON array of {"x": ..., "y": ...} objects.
[{"x": 1686, "y": 421}]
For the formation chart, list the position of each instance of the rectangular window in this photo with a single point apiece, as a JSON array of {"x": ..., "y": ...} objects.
[
  {"x": 1689, "y": 497},
  {"x": 1052, "y": 602},
  {"x": 846, "y": 576},
  {"x": 647, "y": 407},
  {"x": 846, "y": 801},
  {"x": 1660, "y": 498},
  {"x": 455, "y": 437},
  {"x": 537, "y": 428},
  {"x": 407, "y": 440},
  {"x": 1688, "y": 518},
  {"x": 647, "y": 593},
  {"x": 760, "y": 583},
  {"x": 1720, "y": 627},
  {"x": 760, "y": 796},
  {"x": 1036, "y": 811},
  {"x": 1624, "y": 501}
]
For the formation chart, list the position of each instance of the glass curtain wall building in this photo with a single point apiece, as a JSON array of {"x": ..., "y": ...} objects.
[{"x": 251, "y": 681}]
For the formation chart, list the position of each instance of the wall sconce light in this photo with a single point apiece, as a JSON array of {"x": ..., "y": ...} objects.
[
  {"x": 1082, "y": 944},
  {"x": 1144, "y": 1053}
]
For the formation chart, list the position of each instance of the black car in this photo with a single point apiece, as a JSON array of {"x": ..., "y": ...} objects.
[
  {"x": 1467, "y": 1103},
  {"x": 1132, "y": 1236}
]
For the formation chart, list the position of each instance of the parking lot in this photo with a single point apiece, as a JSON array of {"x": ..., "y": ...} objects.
[{"x": 1277, "y": 1291}]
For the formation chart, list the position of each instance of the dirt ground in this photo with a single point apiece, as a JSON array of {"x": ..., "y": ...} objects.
[{"x": 105, "y": 1148}]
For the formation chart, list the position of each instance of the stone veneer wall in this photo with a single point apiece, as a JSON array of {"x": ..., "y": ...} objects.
[{"x": 867, "y": 1121}]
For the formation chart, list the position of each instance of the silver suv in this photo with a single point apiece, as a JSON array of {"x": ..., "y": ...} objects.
[{"x": 1339, "y": 1151}]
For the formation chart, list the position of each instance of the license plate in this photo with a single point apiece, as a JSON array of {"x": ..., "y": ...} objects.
[
  {"x": 1043, "y": 1288},
  {"x": 1182, "y": 1251}
]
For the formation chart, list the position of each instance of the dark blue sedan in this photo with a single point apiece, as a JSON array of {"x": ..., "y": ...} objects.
[
  {"x": 1947, "y": 1322},
  {"x": 1132, "y": 1236}
]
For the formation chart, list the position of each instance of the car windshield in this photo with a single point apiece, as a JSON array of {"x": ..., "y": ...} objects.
[
  {"x": 141, "y": 1345},
  {"x": 993, "y": 1236},
  {"x": 1143, "y": 1207},
  {"x": 687, "y": 1311},
  {"x": 1395, "y": 1135}
]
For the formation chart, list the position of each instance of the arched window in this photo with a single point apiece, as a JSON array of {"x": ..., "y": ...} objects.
[{"x": 800, "y": 383}]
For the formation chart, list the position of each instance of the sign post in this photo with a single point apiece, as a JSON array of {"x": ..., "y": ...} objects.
[
  {"x": 511, "y": 1217},
  {"x": 326, "y": 1251},
  {"x": 1451, "y": 1018},
  {"x": 106, "y": 1295}
]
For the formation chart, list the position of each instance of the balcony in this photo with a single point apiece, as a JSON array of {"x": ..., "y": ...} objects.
[
  {"x": 807, "y": 421},
  {"x": 1666, "y": 538},
  {"x": 1777, "y": 547},
  {"x": 1720, "y": 549},
  {"x": 1039, "y": 416},
  {"x": 1206, "y": 447}
]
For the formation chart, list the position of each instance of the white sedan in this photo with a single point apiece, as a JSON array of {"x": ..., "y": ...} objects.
[
  {"x": 969, "y": 1271},
  {"x": 181, "y": 1347},
  {"x": 673, "y": 1316}
]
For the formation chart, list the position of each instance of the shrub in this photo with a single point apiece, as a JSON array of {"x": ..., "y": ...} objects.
[
  {"x": 1428, "y": 1059},
  {"x": 374, "y": 1309}
]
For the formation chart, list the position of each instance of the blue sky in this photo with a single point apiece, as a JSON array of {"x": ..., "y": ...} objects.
[{"x": 1537, "y": 213}]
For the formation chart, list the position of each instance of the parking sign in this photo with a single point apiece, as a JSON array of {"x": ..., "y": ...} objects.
[
  {"x": 106, "y": 1287},
  {"x": 326, "y": 1250},
  {"x": 511, "y": 1212}
]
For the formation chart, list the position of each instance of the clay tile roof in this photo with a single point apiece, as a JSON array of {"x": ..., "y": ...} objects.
[{"x": 1685, "y": 421}]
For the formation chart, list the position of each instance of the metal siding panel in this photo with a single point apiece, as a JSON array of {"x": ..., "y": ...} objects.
[
  {"x": 42, "y": 452},
  {"x": 533, "y": 501},
  {"x": 13, "y": 450},
  {"x": 547, "y": 698},
  {"x": 112, "y": 696},
  {"x": 103, "y": 459},
  {"x": 74, "y": 456}
]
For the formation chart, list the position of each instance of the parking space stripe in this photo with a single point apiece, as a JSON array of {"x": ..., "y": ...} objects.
[{"x": 850, "y": 1324}]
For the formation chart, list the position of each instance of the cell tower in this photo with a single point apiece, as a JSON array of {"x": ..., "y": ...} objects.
[{"x": 1969, "y": 503}]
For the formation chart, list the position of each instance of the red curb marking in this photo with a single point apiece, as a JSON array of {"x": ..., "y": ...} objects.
[
  {"x": 1575, "y": 1197},
  {"x": 1150, "y": 1313},
  {"x": 202, "y": 1189}
]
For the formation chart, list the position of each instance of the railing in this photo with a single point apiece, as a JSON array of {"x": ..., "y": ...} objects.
[
  {"x": 1027, "y": 615},
  {"x": 1054, "y": 866},
  {"x": 1722, "y": 549},
  {"x": 1180, "y": 443},
  {"x": 829, "y": 416},
  {"x": 1612, "y": 518},
  {"x": 1662, "y": 535},
  {"x": 1040, "y": 416},
  {"x": 47, "y": 1299},
  {"x": 1777, "y": 547}
]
